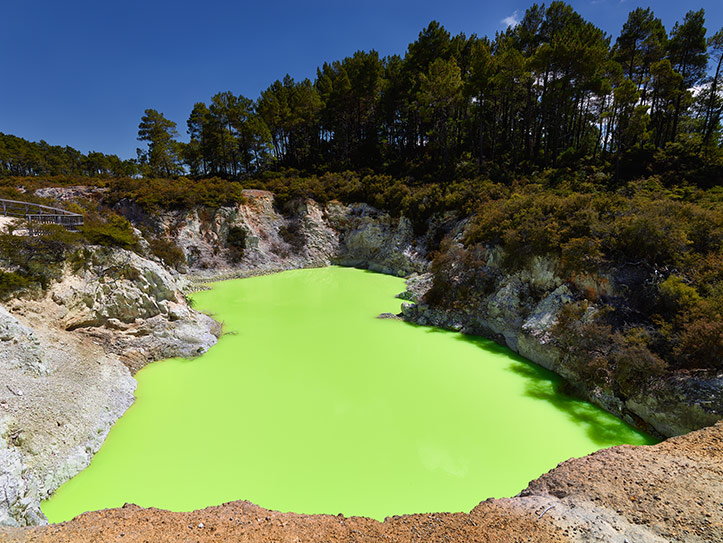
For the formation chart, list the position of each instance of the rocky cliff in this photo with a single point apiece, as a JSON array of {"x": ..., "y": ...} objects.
[{"x": 295, "y": 235}]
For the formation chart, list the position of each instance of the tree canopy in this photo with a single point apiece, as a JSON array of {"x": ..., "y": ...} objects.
[
  {"x": 161, "y": 157},
  {"x": 554, "y": 91},
  {"x": 19, "y": 157}
]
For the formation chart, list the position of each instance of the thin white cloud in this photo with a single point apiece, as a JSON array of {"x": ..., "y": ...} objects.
[{"x": 512, "y": 20}]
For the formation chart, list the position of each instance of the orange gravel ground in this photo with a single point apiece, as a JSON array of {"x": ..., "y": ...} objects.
[{"x": 668, "y": 492}]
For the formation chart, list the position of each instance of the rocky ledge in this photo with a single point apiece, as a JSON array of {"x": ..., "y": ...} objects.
[{"x": 670, "y": 492}]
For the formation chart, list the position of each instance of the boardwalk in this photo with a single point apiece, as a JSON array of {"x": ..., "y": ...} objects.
[{"x": 40, "y": 214}]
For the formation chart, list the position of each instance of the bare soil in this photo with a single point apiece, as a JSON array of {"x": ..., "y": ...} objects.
[{"x": 663, "y": 493}]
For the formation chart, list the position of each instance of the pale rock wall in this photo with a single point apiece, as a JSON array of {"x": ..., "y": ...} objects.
[
  {"x": 65, "y": 367},
  {"x": 201, "y": 234},
  {"x": 374, "y": 240},
  {"x": 134, "y": 305},
  {"x": 304, "y": 234},
  {"x": 52, "y": 421}
]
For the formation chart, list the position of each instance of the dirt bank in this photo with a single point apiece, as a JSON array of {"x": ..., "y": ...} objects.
[{"x": 671, "y": 492}]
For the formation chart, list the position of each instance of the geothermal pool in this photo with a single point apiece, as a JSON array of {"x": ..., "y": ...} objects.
[{"x": 311, "y": 404}]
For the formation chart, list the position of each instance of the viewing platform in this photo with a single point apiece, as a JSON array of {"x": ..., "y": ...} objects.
[{"x": 42, "y": 214}]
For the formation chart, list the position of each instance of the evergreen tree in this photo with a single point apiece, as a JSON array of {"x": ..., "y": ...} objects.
[
  {"x": 161, "y": 157},
  {"x": 713, "y": 99},
  {"x": 687, "y": 51}
]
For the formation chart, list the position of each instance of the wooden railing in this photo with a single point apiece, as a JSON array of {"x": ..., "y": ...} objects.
[{"x": 39, "y": 213}]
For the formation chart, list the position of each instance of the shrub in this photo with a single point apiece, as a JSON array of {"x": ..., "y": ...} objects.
[
  {"x": 585, "y": 344},
  {"x": 11, "y": 282},
  {"x": 581, "y": 254},
  {"x": 236, "y": 242},
  {"x": 116, "y": 232},
  {"x": 170, "y": 253},
  {"x": 458, "y": 275},
  {"x": 676, "y": 295},
  {"x": 634, "y": 365},
  {"x": 701, "y": 343},
  {"x": 443, "y": 270},
  {"x": 37, "y": 258},
  {"x": 651, "y": 233},
  {"x": 155, "y": 195}
]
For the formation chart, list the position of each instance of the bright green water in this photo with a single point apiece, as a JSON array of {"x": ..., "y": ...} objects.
[{"x": 311, "y": 404}]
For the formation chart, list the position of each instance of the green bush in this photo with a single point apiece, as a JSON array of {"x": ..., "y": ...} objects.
[
  {"x": 38, "y": 258},
  {"x": 155, "y": 195},
  {"x": 116, "y": 231},
  {"x": 581, "y": 255},
  {"x": 11, "y": 282},
  {"x": 167, "y": 251},
  {"x": 676, "y": 295},
  {"x": 236, "y": 242},
  {"x": 701, "y": 343},
  {"x": 634, "y": 365}
]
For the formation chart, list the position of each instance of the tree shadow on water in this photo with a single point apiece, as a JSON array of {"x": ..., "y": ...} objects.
[{"x": 604, "y": 429}]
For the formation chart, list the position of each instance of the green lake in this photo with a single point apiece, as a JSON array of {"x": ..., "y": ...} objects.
[{"x": 311, "y": 404}]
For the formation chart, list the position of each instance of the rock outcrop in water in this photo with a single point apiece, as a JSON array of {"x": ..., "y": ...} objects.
[{"x": 134, "y": 305}]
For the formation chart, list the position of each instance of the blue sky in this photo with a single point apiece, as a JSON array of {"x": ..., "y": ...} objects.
[{"x": 80, "y": 73}]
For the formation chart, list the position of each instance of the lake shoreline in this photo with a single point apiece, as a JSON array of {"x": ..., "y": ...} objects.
[{"x": 308, "y": 344}]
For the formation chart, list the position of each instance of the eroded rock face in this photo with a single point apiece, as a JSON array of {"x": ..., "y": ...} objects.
[
  {"x": 372, "y": 239},
  {"x": 134, "y": 305},
  {"x": 65, "y": 367},
  {"x": 680, "y": 404},
  {"x": 53, "y": 421},
  {"x": 14, "y": 502},
  {"x": 71, "y": 194},
  {"x": 520, "y": 310},
  {"x": 20, "y": 346},
  {"x": 113, "y": 284},
  {"x": 300, "y": 237},
  {"x": 303, "y": 234}
]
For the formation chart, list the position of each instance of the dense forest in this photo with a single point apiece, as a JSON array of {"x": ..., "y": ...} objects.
[
  {"x": 553, "y": 91},
  {"x": 19, "y": 157}
]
